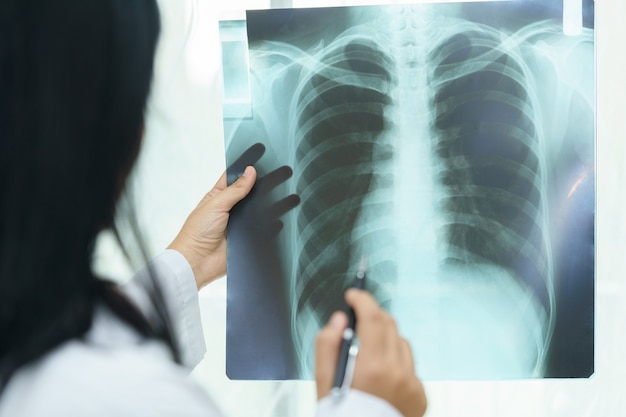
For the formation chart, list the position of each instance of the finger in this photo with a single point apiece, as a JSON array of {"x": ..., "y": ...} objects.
[
  {"x": 406, "y": 354},
  {"x": 249, "y": 157},
  {"x": 221, "y": 182},
  {"x": 275, "y": 178},
  {"x": 231, "y": 195},
  {"x": 327, "y": 352},
  {"x": 374, "y": 326},
  {"x": 219, "y": 186}
]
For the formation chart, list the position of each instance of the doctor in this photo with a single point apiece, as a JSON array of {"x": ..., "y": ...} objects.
[{"x": 74, "y": 80}]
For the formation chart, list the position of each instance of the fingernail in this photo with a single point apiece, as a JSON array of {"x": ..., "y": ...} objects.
[
  {"x": 336, "y": 320},
  {"x": 247, "y": 172}
]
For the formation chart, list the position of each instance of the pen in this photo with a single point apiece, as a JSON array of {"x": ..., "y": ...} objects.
[{"x": 348, "y": 350}]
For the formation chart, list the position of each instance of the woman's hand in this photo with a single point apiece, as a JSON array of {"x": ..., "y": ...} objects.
[
  {"x": 384, "y": 365},
  {"x": 202, "y": 239}
]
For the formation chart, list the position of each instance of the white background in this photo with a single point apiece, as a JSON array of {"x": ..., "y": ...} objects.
[{"x": 183, "y": 156}]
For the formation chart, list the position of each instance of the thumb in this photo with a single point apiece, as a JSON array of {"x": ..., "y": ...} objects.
[
  {"x": 327, "y": 352},
  {"x": 235, "y": 192}
]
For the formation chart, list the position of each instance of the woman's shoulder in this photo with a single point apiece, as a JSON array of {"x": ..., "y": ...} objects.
[{"x": 111, "y": 371}]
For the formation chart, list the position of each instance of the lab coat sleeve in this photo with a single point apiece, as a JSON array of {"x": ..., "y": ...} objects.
[
  {"x": 355, "y": 403},
  {"x": 175, "y": 278}
]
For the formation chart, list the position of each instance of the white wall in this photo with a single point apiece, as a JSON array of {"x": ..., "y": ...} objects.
[{"x": 184, "y": 155}]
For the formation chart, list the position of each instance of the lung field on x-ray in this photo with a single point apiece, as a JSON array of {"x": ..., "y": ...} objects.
[
  {"x": 342, "y": 155},
  {"x": 492, "y": 171},
  {"x": 416, "y": 141}
]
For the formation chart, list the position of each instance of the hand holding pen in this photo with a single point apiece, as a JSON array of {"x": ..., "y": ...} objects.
[{"x": 384, "y": 364}]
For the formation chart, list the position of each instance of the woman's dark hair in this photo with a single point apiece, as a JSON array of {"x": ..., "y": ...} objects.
[{"x": 74, "y": 80}]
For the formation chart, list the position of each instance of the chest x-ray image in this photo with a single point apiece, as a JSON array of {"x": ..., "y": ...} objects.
[{"x": 451, "y": 146}]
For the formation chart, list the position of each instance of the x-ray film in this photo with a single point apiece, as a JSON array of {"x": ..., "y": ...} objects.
[{"x": 452, "y": 146}]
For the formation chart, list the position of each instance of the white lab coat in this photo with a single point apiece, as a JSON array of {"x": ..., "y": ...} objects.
[{"x": 113, "y": 371}]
